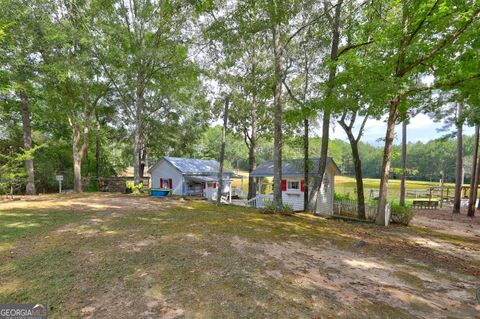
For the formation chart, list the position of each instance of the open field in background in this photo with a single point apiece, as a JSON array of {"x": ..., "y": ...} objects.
[
  {"x": 101, "y": 255},
  {"x": 345, "y": 185}
]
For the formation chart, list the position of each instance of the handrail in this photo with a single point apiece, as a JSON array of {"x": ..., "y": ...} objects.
[
  {"x": 253, "y": 202},
  {"x": 254, "y": 198},
  {"x": 224, "y": 199}
]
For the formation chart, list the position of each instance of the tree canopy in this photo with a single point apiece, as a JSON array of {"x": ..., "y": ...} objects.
[{"x": 104, "y": 85}]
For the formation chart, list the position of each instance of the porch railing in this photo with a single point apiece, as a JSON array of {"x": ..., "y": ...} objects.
[{"x": 258, "y": 201}]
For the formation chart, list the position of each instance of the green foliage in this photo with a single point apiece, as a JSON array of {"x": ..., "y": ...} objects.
[
  {"x": 132, "y": 188},
  {"x": 271, "y": 208},
  {"x": 341, "y": 197},
  {"x": 399, "y": 171},
  {"x": 402, "y": 214},
  {"x": 12, "y": 172},
  {"x": 88, "y": 67}
]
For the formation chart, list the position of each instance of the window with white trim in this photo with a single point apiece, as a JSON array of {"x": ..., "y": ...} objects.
[
  {"x": 293, "y": 185},
  {"x": 166, "y": 183}
]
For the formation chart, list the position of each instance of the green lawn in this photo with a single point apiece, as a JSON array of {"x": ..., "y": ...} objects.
[
  {"x": 119, "y": 256},
  {"x": 346, "y": 185}
]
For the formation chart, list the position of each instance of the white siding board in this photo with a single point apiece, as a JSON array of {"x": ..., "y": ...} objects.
[
  {"x": 294, "y": 198},
  {"x": 166, "y": 170},
  {"x": 325, "y": 198}
]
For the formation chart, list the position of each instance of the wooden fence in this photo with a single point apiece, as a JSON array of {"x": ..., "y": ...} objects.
[{"x": 349, "y": 208}]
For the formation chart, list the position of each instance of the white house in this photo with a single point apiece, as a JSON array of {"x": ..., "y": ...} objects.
[
  {"x": 187, "y": 176},
  {"x": 293, "y": 184}
]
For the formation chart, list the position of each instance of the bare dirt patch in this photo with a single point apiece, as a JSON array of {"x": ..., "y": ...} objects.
[
  {"x": 442, "y": 220},
  {"x": 356, "y": 279},
  {"x": 100, "y": 202}
]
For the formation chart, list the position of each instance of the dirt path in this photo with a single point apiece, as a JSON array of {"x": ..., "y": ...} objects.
[
  {"x": 442, "y": 220},
  {"x": 373, "y": 284}
]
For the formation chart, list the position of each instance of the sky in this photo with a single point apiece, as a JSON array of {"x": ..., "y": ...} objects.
[{"x": 421, "y": 128}]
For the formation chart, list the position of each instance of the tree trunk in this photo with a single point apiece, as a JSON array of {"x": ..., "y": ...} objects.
[
  {"x": 277, "y": 136},
  {"x": 306, "y": 163},
  {"x": 359, "y": 180},
  {"x": 251, "y": 142},
  {"x": 357, "y": 162},
  {"x": 143, "y": 158},
  {"x": 459, "y": 163},
  {"x": 97, "y": 147},
  {"x": 404, "y": 163},
  {"x": 475, "y": 187},
  {"x": 322, "y": 163},
  {"x": 474, "y": 182},
  {"x": 318, "y": 180},
  {"x": 77, "y": 171},
  {"x": 78, "y": 150},
  {"x": 137, "y": 148},
  {"x": 222, "y": 150},
  {"x": 27, "y": 143},
  {"x": 387, "y": 157},
  {"x": 252, "y": 165}
]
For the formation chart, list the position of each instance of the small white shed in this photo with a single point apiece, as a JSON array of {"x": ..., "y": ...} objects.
[
  {"x": 188, "y": 176},
  {"x": 293, "y": 184}
]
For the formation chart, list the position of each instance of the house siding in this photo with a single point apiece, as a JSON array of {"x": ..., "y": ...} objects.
[
  {"x": 325, "y": 198},
  {"x": 166, "y": 170},
  {"x": 294, "y": 198}
]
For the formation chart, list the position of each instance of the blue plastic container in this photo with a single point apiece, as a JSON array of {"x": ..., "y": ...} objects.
[{"x": 159, "y": 192}]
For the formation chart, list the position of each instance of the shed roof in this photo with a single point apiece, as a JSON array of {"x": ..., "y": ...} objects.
[
  {"x": 192, "y": 165},
  {"x": 205, "y": 179},
  {"x": 292, "y": 167}
]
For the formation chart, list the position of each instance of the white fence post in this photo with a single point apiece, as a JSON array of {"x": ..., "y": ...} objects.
[{"x": 388, "y": 213}]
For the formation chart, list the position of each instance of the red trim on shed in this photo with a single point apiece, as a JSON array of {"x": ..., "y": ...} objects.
[
  {"x": 302, "y": 185},
  {"x": 161, "y": 182},
  {"x": 170, "y": 181},
  {"x": 284, "y": 185}
]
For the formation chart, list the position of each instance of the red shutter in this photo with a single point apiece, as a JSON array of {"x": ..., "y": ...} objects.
[
  {"x": 203, "y": 185},
  {"x": 284, "y": 185},
  {"x": 214, "y": 185},
  {"x": 161, "y": 182},
  {"x": 302, "y": 185},
  {"x": 170, "y": 181}
]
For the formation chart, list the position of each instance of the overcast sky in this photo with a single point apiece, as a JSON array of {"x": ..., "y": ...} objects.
[{"x": 421, "y": 128}]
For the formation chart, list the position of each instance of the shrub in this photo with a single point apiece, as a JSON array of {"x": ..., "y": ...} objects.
[
  {"x": 91, "y": 185},
  {"x": 271, "y": 208},
  {"x": 131, "y": 188},
  {"x": 402, "y": 214},
  {"x": 340, "y": 197}
]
